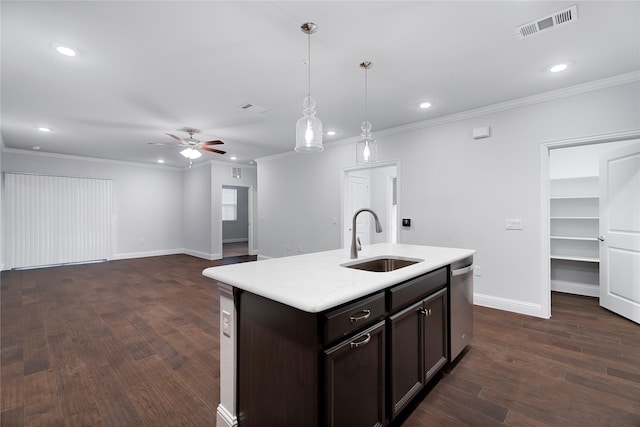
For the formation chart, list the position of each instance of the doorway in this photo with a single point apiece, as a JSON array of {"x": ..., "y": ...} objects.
[
  {"x": 375, "y": 187},
  {"x": 570, "y": 214},
  {"x": 235, "y": 221}
]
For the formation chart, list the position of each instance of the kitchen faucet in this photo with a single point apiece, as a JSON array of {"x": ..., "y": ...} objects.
[{"x": 355, "y": 247}]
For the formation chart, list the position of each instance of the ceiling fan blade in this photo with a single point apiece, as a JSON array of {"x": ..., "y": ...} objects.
[
  {"x": 162, "y": 143},
  {"x": 175, "y": 137},
  {"x": 216, "y": 142},
  {"x": 213, "y": 150}
]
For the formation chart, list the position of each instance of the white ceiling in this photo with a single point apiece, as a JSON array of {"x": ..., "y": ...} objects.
[{"x": 151, "y": 67}]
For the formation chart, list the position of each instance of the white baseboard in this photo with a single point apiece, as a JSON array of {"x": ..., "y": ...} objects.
[
  {"x": 224, "y": 418},
  {"x": 202, "y": 255},
  {"x": 262, "y": 257},
  {"x": 515, "y": 306},
  {"x": 575, "y": 288},
  {"x": 245, "y": 239},
  {"x": 128, "y": 255}
]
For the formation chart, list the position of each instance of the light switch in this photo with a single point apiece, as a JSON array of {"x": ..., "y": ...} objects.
[{"x": 513, "y": 224}]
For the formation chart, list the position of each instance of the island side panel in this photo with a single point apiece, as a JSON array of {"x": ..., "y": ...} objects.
[
  {"x": 278, "y": 367},
  {"x": 226, "y": 415}
]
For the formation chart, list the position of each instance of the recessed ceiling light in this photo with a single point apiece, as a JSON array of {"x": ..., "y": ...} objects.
[
  {"x": 44, "y": 129},
  {"x": 251, "y": 162},
  {"x": 558, "y": 67},
  {"x": 65, "y": 50},
  {"x": 160, "y": 161},
  {"x": 331, "y": 132},
  {"x": 234, "y": 158},
  {"x": 36, "y": 147},
  {"x": 425, "y": 104}
]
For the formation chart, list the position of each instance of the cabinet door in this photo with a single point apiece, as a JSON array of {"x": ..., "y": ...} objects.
[
  {"x": 355, "y": 380},
  {"x": 406, "y": 353},
  {"x": 435, "y": 333}
]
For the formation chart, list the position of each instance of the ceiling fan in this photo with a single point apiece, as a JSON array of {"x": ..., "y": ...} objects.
[{"x": 191, "y": 145}]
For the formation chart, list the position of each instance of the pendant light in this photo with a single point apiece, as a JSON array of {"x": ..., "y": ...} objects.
[
  {"x": 366, "y": 147},
  {"x": 309, "y": 127}
]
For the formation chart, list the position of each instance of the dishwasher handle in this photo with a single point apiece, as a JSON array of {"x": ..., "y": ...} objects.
[{"x": 461, "y": 271}]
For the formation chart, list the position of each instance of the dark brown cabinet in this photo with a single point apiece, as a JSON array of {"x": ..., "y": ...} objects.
[
  {"x": 435, "y": 333},
  {"x": 357, "y": 365},
  {"x": 355, "y": 380},
  {"x": 418, "y": 347}
]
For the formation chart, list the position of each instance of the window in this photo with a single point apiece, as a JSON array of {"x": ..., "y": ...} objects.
[{"x": 229, "y": 204}]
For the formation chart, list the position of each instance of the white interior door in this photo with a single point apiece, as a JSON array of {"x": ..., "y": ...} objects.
[
  {"x": 620, "y": 231},
  {"x": 357, "y": 192}
]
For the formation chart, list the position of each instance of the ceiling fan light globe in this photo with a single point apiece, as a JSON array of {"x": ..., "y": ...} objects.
[{"x": 191, "y": 153}]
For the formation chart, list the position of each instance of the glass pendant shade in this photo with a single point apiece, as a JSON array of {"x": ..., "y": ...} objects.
[
  {"x": 309, "y": 129},
  {"x": 191, "y": 153},
  {"x": 366, "y": 147}
]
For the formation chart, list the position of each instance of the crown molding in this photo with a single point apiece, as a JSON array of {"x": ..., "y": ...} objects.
[
  {"x": 592, "y": 86},
  {"x": 88, "y": 159},
  {"x": 517, "y": 103}
]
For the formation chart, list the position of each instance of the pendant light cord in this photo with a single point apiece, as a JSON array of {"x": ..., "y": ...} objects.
[
  {"x": 365, "y": 94},
  {"x": 309, "y": 59}
]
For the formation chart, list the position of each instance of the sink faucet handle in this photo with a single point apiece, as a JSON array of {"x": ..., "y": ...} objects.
[{"x": 358, "y": 244}]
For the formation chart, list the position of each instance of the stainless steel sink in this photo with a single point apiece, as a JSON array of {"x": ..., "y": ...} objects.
[{"x": 382, "y": 264}]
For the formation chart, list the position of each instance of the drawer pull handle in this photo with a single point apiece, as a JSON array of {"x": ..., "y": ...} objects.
[
  {"x": 365, "y": 315},
  {"x": 365, "y": 341}
]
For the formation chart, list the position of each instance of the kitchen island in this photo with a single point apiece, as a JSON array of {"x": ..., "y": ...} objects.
[{"x": 306, "y": 340}]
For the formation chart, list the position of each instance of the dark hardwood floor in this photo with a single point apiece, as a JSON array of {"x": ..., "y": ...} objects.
[
  {"x": 235, "y": 249},
  {"x": 135, "y": 343}
]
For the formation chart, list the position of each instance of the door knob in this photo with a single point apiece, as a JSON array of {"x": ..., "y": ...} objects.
[{"x": 601, "y": 238}]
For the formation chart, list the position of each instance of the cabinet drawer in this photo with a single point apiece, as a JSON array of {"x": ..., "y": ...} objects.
[
  {"x": 355, "y": 316},
  {"x": 417, "y": 288}
]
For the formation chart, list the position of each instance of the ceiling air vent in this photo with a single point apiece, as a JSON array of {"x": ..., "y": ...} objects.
[
  {"x": 254, "y": 108},
  {"x": 559, "y": 18}
]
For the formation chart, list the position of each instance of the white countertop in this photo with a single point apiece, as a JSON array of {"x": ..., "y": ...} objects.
[{"x": 317, "y": 282}]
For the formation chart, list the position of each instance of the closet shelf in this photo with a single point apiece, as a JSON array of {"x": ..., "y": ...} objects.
[
  {"x": 594, "y": 239},
  {"x": 575, "y": 258},
  {"x": 572, "y": 197},
  {"x": 575, "y": 217}
]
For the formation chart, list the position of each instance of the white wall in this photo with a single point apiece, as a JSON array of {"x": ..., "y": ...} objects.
[
  {"x": 299, "y": 201},
  {"x": 457, "y": 191},
  {"x": 147, "y": 199},
  {"x": 1, "y": 208},
  {"x": 196, "y": 212}
]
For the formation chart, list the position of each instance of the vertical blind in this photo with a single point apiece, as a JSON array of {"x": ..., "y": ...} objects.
[{"x": 54, "y": 220}]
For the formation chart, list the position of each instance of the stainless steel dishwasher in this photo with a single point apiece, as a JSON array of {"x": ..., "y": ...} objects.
[{"x": 461, "y": 306}]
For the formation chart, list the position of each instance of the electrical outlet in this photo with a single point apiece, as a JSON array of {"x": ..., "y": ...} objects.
[
  {"x": 226, "y": 323},
  {"x": 287, "y": 247},
  {"x": 477, "y": 270},
  {"x": 299, "y": 249}
]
